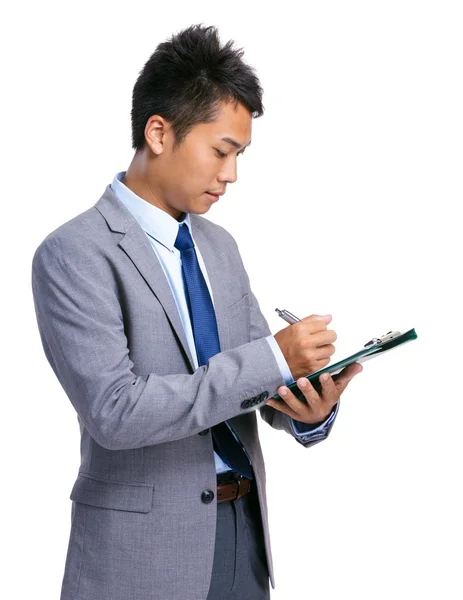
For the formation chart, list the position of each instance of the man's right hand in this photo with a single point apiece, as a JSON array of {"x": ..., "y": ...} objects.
[{"x": 307, "y": 345}]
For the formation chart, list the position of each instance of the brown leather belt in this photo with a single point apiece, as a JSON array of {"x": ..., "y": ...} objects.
[{"x": 233, "y": 490}]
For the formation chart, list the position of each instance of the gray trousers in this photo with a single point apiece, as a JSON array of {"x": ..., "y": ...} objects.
[{"x": 240, "y": 567}]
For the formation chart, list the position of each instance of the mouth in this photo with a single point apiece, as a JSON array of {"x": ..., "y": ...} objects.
[{"x": 214, "y": 197}]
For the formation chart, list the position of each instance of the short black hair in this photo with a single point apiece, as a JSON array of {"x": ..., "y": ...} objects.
[{"x": 186, "y": 78}]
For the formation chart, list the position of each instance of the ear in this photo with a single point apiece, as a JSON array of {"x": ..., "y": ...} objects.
[{"x": 155, "y": 131}]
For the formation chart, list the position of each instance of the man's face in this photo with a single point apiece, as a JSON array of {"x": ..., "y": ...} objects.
[{"x": 204, "y": 162}]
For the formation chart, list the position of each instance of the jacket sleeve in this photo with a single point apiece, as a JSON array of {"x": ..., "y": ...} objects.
[
  {"x": 82, "y": 331},
  {"x": 275, "y": 418}
]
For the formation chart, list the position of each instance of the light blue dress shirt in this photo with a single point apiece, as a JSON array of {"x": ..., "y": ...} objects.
[{"x": 161, "y": 230}]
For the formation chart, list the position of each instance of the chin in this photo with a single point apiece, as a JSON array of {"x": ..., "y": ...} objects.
[{"x": 199, "y": 210}]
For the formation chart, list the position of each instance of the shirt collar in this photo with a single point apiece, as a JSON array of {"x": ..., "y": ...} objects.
[{"x": 154, "y": 221}]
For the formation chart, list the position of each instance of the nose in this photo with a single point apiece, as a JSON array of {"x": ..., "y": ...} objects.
[{"x": 228, "y": 174}]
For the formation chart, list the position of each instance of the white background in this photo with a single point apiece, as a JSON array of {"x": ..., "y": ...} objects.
[{"x": 346, "y": 203}]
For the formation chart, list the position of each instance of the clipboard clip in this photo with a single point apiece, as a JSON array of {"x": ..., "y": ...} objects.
[{"x": 384, "y": 338}]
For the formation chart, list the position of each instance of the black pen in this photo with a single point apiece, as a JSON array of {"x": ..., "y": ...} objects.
[{"x": 287, "y": 316}]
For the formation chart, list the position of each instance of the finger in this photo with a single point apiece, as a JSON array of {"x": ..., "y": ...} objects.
[
  {"x": 325, "y": 318},
  {"x": 321, "y": 364},
  {"x": 321, "y": 338},
  {"x": 311, "y": 326},
  {"x": 281, "y": 406},
  {"x": 347, "y": 375},
  {"x": 330, "y": 392},
  {"x": 325, "y": 351},
  {"x": 310, "y": 395}
]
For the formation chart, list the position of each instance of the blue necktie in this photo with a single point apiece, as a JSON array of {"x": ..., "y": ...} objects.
[{"x": 206, "y": 336}]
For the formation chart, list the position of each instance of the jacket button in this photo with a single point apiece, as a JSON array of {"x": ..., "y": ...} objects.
[
  {"x": 204, "y": 432},
  {"x": 207, "y": 496}
]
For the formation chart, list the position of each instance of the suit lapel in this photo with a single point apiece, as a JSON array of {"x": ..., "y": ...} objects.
[{"x": 137, "y": 246}]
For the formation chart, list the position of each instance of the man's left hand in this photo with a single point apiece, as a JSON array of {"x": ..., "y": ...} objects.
[{"x": 318, "y": 406}]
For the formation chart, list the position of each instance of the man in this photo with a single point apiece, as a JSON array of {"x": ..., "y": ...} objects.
[{"x": 147, "y": 318}]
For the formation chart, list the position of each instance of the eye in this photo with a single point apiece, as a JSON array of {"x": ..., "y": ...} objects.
[{"x": 223, "y": 155}]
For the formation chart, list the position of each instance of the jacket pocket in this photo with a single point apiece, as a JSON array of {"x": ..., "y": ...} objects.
[
  {"x": 237, "y": 307},
  {"x": 134, "y": 497},
  {"x": 239, "y": 322}
]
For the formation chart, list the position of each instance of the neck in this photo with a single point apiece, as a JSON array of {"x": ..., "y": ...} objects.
[{"x": 141, "y": 184}]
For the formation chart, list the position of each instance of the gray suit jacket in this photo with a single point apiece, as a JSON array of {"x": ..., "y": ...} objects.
[{"x": 112, "y": 334}]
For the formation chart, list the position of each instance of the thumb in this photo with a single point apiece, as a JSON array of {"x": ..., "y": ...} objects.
[{"x": 325, "y": 318}]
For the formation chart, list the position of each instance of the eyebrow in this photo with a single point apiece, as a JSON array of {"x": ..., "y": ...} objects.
[{"x": 234, "y": 143}]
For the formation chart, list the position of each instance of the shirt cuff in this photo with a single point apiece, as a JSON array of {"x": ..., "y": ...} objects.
[
  {"x": 306, "y": 430},
  {"x": 284, "y": 369}
]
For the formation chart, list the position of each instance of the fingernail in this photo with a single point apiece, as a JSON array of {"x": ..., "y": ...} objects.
[
  {"x": 302, "y": 382},
  {"x": 283, "y": 391},
  {"x": 324, "y": 377}
]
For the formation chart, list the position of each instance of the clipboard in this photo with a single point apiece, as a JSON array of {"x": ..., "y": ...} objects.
[{"x": 375, "y": 347}]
